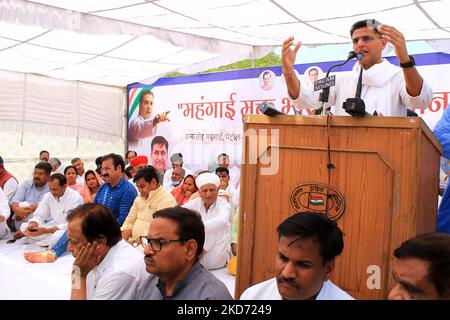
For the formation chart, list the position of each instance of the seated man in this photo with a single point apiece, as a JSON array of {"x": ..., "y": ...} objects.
[
  {"x": 172, "y": 251},
  {"x": 138, "y": 163},
  {"x": 308, "y": 244},
  {"x": 227, "y": 189},
  {"x": 176, "y": 179},
  {"x": 105, "y": 266},
  {"x": 215, "y": 213},
  {"x": 177, "y": 162},
  {"x": 152, "y": 197},
  {"x": 421, "y": 268},
  {"x": 4, "y": 215},
  {"x": 29, "y": 194},
  {"x": 8, "y": 182},
  {"x": 49, "y": 220},
  {"x": 223, "y": 160}
]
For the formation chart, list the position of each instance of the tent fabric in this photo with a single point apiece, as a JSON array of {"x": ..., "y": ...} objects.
[
  {"x": 118, "y": 42},
  {"x": 35, "y": 103}
]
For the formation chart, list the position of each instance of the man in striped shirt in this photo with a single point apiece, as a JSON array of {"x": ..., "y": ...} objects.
[{"x": 116, "y": 193}]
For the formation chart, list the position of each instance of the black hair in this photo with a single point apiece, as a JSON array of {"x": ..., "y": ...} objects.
[
  {"x": 43, "y": 151},
  {"x": 159, "y": 140},
  {"x": 127, "y": 172},
  {"x": 144, "y": 93},
  {"x": 117, "y": 160},
  {"x": 313, "y": 69},
  {"x": 223, "y": 155},
  {"x": 60, "y": 177},
  {"x": 148, "y": 173},
  {"x": 98, "y": 161},
  {"x": 434, "y": 248},
  {"x": 190, "y": 224},
  {"x": 97, "y": 221},
  {"x": 70, "y": 167},
  {"x": 126, "y": 154},
  {"x": 310, "y": 225},
  {"x": 47, "y": 167},
  {"x": 367, "y": 23},
  {"x": 222, "y": 169}
]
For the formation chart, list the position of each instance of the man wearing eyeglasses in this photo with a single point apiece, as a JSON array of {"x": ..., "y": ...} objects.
[
  {"x": 386, "y": 89},
  {"x": 172, "y": 252},
  {"x": 116, "y": 193}
]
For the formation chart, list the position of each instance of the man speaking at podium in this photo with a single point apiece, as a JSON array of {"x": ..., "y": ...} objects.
[{"x": 387, "y": 89}]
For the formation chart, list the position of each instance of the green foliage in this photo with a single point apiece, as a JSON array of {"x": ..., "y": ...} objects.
[{"x": 272, "y": 59}]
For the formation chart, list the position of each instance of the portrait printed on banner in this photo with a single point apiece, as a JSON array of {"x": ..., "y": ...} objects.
[
  {"x": 146, "y": 121},
  {"x": 312, "y": 74},
  {"x": 267, "y": 80}
]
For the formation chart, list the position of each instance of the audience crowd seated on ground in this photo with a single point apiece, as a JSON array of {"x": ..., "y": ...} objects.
[{"x": 167, "y": 241}]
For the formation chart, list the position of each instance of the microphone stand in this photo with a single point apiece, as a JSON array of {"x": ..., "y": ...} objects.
[
  {"x": 325, "y": 94},
  {"x": 356, "y": 106}
]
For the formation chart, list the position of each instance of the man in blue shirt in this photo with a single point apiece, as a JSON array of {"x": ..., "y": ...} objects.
[
  {"x": 442, "y": 133},
  {"x": 116, "y": 193},
  {"x": 29, "y": 194}
]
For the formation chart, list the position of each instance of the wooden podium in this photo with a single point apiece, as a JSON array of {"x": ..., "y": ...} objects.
[{"x": 384, "y": 190}]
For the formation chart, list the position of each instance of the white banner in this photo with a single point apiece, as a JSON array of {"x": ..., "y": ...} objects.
[{"x": 206, "y": 110}]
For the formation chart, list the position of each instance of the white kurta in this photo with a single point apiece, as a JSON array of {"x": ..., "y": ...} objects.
[
  {"x": 383, "y": 90},
  {"x": 52, "y": 212},
  {"x": 4, "y": 212},
  {"x": 10, "y": 188},
  {"x": 217, "y": 231},
  {"x": 119, "y": 276},
  {"x": 268, "y": 290}
]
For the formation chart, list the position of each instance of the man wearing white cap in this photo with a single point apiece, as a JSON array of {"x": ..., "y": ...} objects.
[{"x": 215, "y": 214}]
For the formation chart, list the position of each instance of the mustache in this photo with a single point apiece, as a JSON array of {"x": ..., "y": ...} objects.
[{"x": 289, "y": 282}]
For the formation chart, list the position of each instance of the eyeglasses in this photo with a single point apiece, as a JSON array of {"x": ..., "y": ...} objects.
[
  {"x": 367, "y": 38},
  {"x": 105, "y": 169},
  {"x": 156, "y": 244}
]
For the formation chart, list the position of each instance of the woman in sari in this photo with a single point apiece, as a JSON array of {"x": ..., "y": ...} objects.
[
  {"x": 92, "y": 182},
  {"x": 183, "y": 192}
]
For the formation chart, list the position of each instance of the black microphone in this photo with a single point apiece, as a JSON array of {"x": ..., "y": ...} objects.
[
  {"x": 325, "y": 94},
  {"x": 264, "y": 108},
  {"x": 356, "y": 106}
]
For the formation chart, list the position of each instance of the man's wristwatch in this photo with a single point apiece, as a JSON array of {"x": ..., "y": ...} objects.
[{"x": 409, "y": 64}]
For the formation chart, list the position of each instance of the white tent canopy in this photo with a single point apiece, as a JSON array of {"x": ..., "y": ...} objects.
[{"x": 117, "y": 42}]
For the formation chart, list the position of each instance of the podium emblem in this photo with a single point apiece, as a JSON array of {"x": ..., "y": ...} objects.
[{"x": 313, "y": 197}]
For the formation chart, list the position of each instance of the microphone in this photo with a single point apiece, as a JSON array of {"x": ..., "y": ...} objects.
[
  {"x": 264, "y": 108},
  {"x": 356, "y": 106},
  {"x": 328, "y": 82}
]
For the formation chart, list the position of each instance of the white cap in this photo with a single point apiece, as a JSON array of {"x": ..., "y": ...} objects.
[{"x": 207, "y": 178}]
